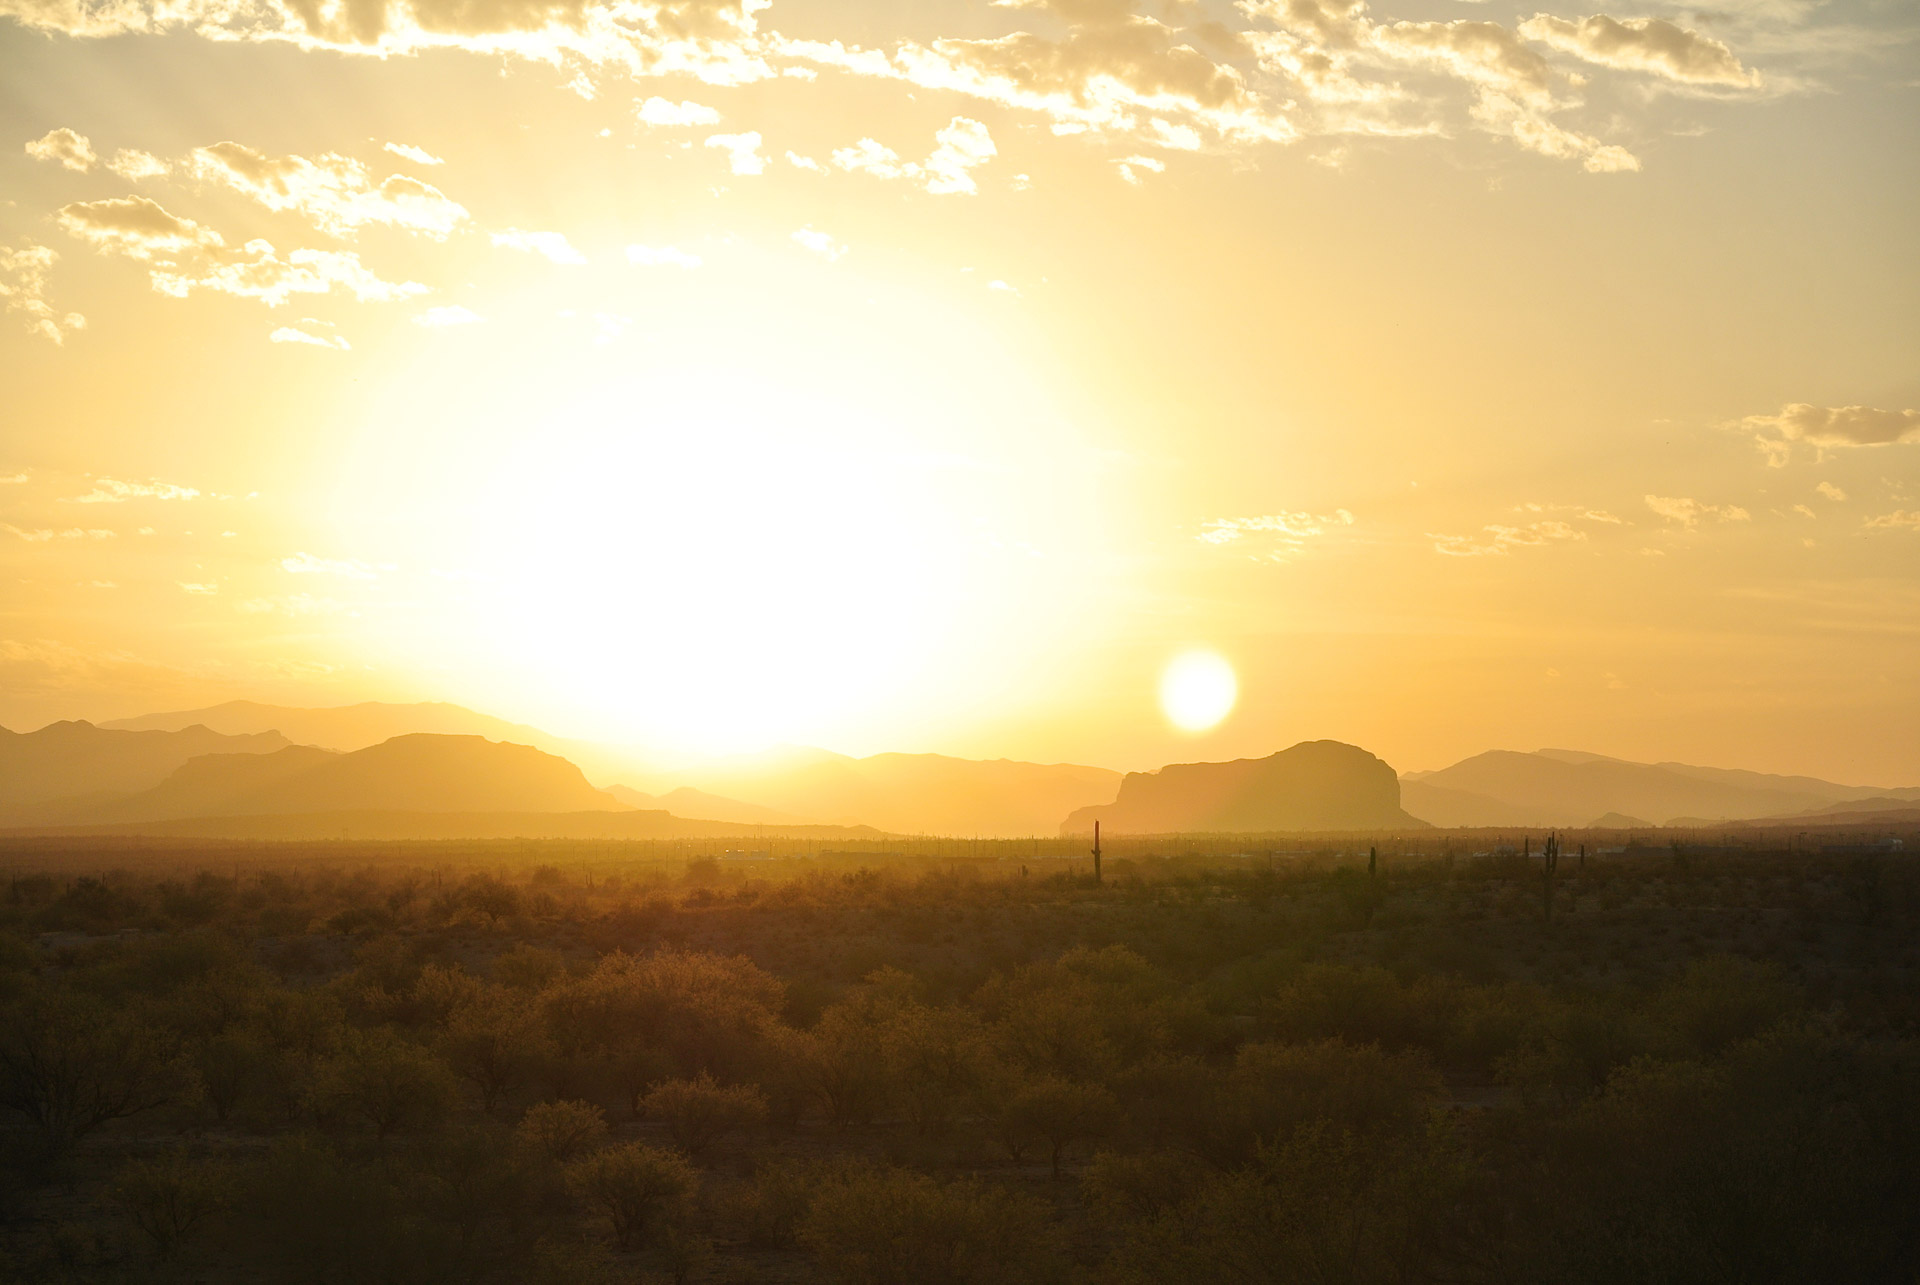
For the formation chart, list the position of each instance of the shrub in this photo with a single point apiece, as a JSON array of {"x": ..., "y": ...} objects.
[
  {"x": 699, "y": 1112},
  {"x": 896, "y": 1227},
  {"x": 170, "y": 1198},
  {"x": 561, "y": 1131},
  {"x": 642, "y": 1191}
]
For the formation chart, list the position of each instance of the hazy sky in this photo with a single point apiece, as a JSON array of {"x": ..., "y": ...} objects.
[{"x": 712, "y": 373}]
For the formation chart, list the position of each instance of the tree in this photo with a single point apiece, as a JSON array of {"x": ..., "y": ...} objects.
[
  {"x": 170, "y": 1198},
  {"x": 561, "y": 1131},
  {"x": 493, "y": 1040},
  {"x": 642, "y": 1191},
  {"x": 699, "y": 1112},
  {"x": 1057, "y": 1113},
  {"x": 385, "y": 1082},
  {"x": 896, "y": 1227},
  {"x": 69, "y": 1064}
]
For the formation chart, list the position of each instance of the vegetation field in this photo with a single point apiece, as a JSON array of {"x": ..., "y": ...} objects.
[{"x": 929, "y": 1062}]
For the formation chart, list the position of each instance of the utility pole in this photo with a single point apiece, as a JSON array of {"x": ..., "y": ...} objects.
[{"x": 1096, "y": 852}]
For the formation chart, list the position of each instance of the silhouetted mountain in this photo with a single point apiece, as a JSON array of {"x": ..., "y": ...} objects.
[
  {"x": 368, "y": 826},
  {"x": 355, "y": 727},
  {"x": 912, "y": 793},
  {"x": 1568, "y": 788},
  {"x": 697, "y": 805},
  {"x": 1439, "y": 805},
  {"x": 419, "y": 773},
  {"x": 1316, "y": 785},
  {"x": 1618, "y": 821},
  {"x": 75, "y": 760}
]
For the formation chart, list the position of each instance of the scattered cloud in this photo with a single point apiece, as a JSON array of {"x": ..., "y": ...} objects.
[
  {"x": 1643, "y": 44},
  {"x": 1690, "y": 512},
  {"x": 65, "y": 148},
  {"x": 418, "y": 155},
  {"x": 1277, "y": 536},
  {"x": 961, "y": 147},
  {"x": 335, "y": 193},
  {"x": 39, "y": 536},
  {"x": 1828, "y": 427},
  {"x": 1831, "y": 491},
  {"x": 136, "y": 166},
  {"x": 183, "y": 256},
  {"x": 23, "y": 288},
  {"x": 820, "y": 243},
  {"x": 294, "y": 335},
  {"x": 306, "y": 564},
  {"x": 743, "y": 151},
  {"x": 659, "y": 256},
  {"x": 1908, "y": 519},
  {"x": 111, "y": 490},
  {"x": 447, "y": 314},
  {"x": 1131, "y": 168},
  {"x": 661, "y": 112},
  {"x": 1497, "y": 539},
  {"x": 292, "y": 604},
  {"x": 204, "y": 588},
  {"x": 553, "y": 245}
]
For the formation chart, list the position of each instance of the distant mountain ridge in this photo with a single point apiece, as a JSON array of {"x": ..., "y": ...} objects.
[
  {"x": 418, "y": 773},
  {"x": 1315, "y": 785},
  {"x": 74, "y": 760},
  {"x": 1571, "y": 788}
]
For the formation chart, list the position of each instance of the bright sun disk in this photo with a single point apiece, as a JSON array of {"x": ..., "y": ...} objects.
[{"x": 1197, "y": 690}]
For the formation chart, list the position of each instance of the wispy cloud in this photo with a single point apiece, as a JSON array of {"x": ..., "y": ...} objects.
[
  {"x": 553, "y": 245},
  {"x": 111, "y": 490},
  {"x": 1690, "y": 512},
  {"x": 65, "y": 148}
]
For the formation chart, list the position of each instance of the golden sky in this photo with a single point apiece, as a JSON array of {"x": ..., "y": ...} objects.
[{"x": 708, "y": 374}]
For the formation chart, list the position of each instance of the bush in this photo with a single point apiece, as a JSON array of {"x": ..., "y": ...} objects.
[
  {"x": 561, "y": 1131},
  {"x": 895, "y": 1227},
  {"x": 642, "y": 1191},
  {"x": 386, "y": 1083},
  {"x": 170, "y": 1198},
  {"x": 700, "y": 1112}
]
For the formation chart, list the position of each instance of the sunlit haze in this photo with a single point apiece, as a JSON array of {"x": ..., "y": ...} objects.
[{"x": 709, "y": 375}]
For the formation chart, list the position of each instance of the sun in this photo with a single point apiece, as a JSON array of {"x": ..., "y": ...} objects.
[{"x": 1197, "y": 690}]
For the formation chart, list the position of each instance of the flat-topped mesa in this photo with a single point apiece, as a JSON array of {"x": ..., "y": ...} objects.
[{"x": 1315, "y": 785}]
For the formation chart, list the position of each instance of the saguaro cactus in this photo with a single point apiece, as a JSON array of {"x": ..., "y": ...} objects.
[
  {"x": 1551, "y": 852},
  {"x": 1096, "y": 852}
]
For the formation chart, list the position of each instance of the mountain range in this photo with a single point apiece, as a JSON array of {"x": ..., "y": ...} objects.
[
  {"x": 1571, "y": 788},
  {"x": 413, "y": 769},
  {"x": 1315, "y": 785}
]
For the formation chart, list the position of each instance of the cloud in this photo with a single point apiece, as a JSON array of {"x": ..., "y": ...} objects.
[
  {"x": 256, "y": 272},
  {"x": 292, "y": 604},
  {"x": 1831, "y": 491},
  {"x": 86, "y": 533},
  {"x": 110, "y": 490},
  {"x": 23, "y": 288},
  {"x": 659, "y": 111},
  {"x": 552, "y": 244},
  {"x": 137, "y": 228},
  {"x": 1828, "y": 426},
  {"x": 335, "y": 193},
  {"x": 293, "y": 335},
  {"x": 63, "y": 147},
  {"x": 40, "y": 536},
  {"x": 1278, "y": 535},
  {"x": 656, "y": 256},
  {"x": 713, "y": 40},
  {"x": 743, "y": 151},
  {"x": 820, "y": 243},
  {"x": 447, "y": 314},
  {"x": 1690, "y": 513},
  {"x": 135, "y": 165},
  {"x": 1496, "y": 540},
  {"x": 1898, "y": 519},
  {"x": 13, "y": 479},
  {"x": 962, "y": 146},
  {"x": 184, "y": 256},
  {"x": 305, "y": 564},
  {"x": 1131, "y": 168},
  {"x": 418, "y": 155},
  {"x": 201, "y": 588},
  {"x": 1643, "y": 44}
]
